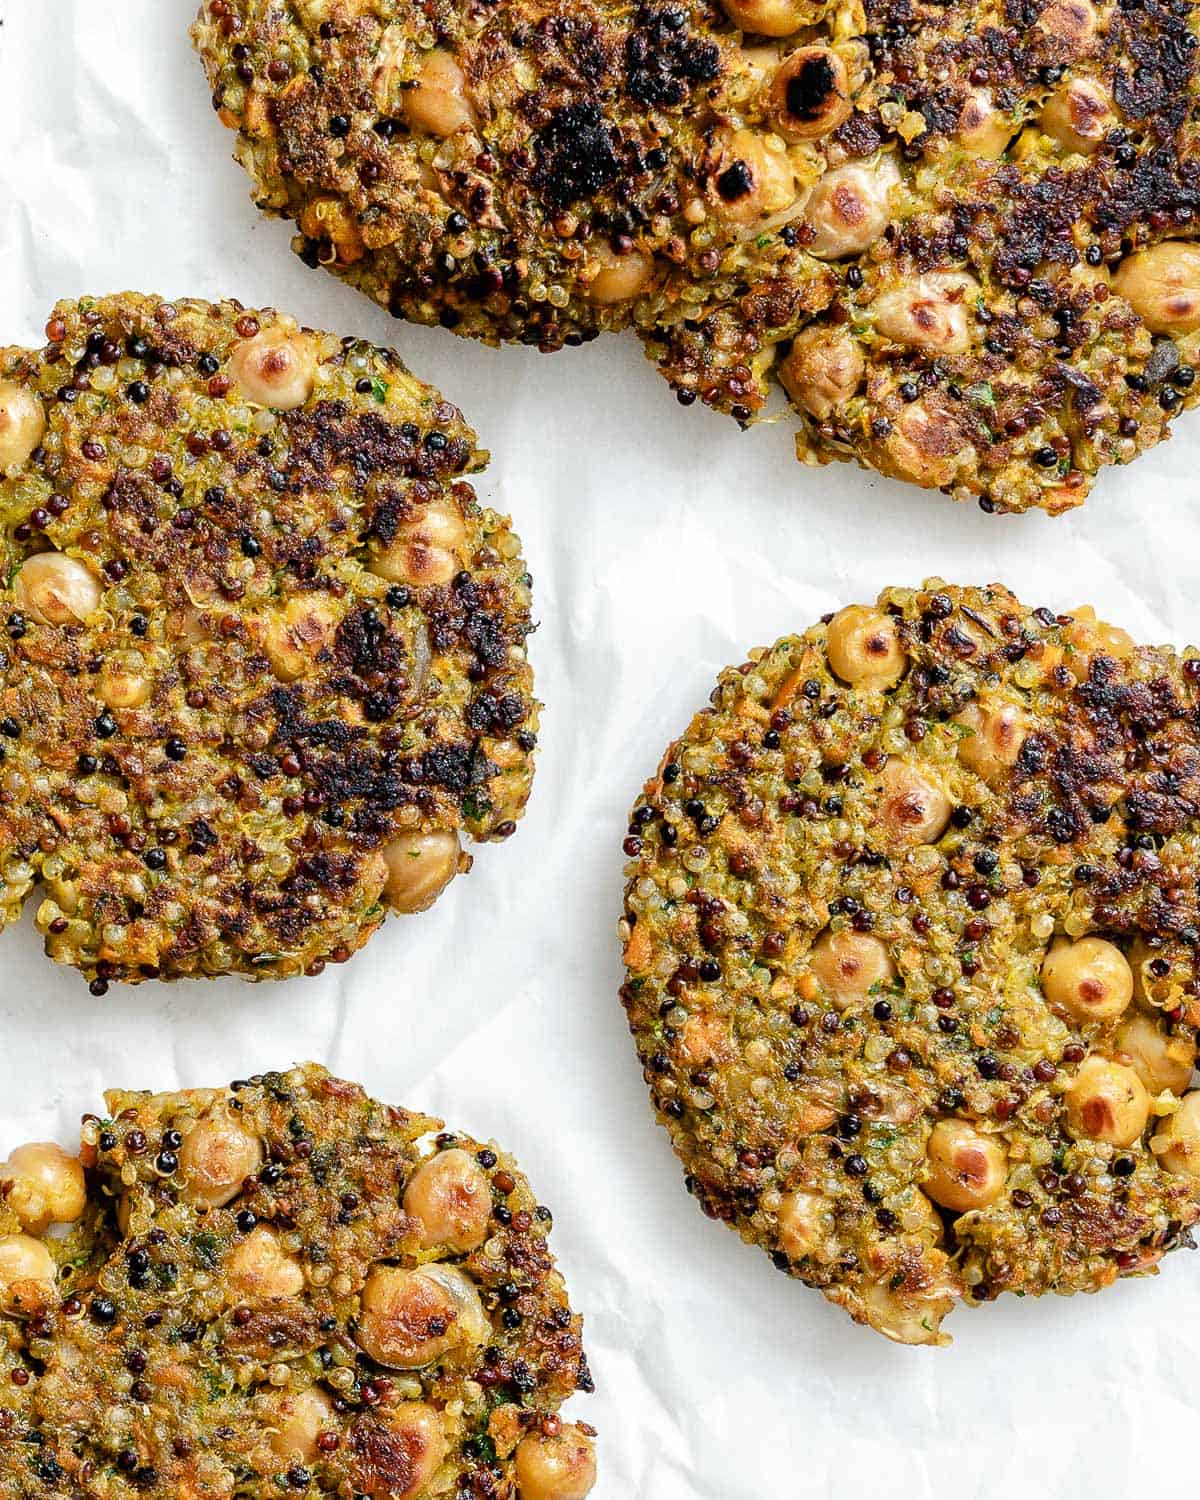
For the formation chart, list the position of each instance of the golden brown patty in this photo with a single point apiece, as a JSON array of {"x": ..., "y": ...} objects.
[
  {"x": 910, "y": 930},
  {"x": 281, "y": 1287},
  {"x": 264, "y": 652},
  {"x": 961, "y": 237}
]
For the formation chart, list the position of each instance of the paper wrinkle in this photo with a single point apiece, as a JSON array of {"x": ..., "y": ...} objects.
[{"x": 663, "y": 544}]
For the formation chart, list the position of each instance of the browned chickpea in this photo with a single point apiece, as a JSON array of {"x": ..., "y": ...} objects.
[
  {"x": 1176, "y": 1143},
  {"x": 398, "y": 1451},
  {"x": 1073, "y": 22},
  {"x": 56, "y": 589},
  {"x": 217, "y": 1156},
  {"x": 43, "y": 1185},
  {"x": 28, "y": 1275},
  {"x": 437, "y": 104},
  {"x": 1160, "y": 1060},
  {"x": 1107, "y": 1101},
  {"x": 849, "y": 208},
  {"x": 410, "y": 1318},
  {"x": 260, "y": 1269},
  {"x": 998, "y": 730},
  {"x": 426, "y": 547},
  {"x": 983, "y": 130},
  {"x": 276, "y": 368},
  {"x": 1162, "y": 285},
  {"x": 849, "y": 965},
  {"x": 299, "y": 1419},
  {"x": 967, "y": 1169},
  {"x": 933, "y": 312},
  {"x": 295, "y": 634},
  {"x": 810, "y": 94},
  {"x": 926, "y": 446},
  {"x": 558, "y": 1467},
  {"x": 1078, "y": 115},
  {"x": 752, "y": 178},
  {"x": 22, "y": 425},
  {"x": 420, "y": 867},
  {"x": 823, "y": 369},
  {"x": 805, "y": 1223},
  {"x": 1089, "y": 979},
  {"x": 915, "y": 809},
  {"x": 450, "y": 1197},
  {"x": 864, "y": 650}
]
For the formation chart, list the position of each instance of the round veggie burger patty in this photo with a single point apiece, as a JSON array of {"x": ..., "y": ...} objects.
[
  {"x": 910, "y": 930},
  {"x": 960, "y": 237},
  {"x": 282, "y": 1287},
  {"x": 263, "y": 657}
]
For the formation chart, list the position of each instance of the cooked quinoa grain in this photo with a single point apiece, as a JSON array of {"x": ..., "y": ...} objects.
[
  {"x": 263, "y": 653},
  {"x": 959, "y": 238},
  {"x": 286, "y": 1287},
  {"x": 910, "y": 930}
]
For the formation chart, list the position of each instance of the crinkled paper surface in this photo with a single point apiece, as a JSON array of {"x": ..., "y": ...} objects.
[{"x": 663, "y": 544}]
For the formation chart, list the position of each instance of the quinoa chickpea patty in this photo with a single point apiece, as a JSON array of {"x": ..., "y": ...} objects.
[
  {"x": 960, "y": 238},
  {"x": 910, "y": 931},
  {"x": 262, "y": 652},
  {"x": 283, "y": 1287}
]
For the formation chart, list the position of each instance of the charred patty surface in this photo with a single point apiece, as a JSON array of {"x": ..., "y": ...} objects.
[
  {"x": 910, "y": 931},
  {"x": 282, "y": 1287},
  {"x": 263, "y": 654},
  {"x": 961, "y": 238}
]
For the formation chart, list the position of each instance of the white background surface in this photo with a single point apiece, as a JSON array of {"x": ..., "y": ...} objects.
[{"x": 663, "y": 544}]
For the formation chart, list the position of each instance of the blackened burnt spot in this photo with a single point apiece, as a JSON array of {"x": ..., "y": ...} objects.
[
  {"x": 496, "y": 713},
  {"x": 1160, "y": 56},
  {"x": 663, "y": 63},
  {"x": 808, "y": 92},
  {"x": 365, "y": 645},
  {"x": 735, "y": 182},
  {"x": 486, "y": 637},
  {"x": 456, "y": 768},
  {"x": 576, "y": 155}
]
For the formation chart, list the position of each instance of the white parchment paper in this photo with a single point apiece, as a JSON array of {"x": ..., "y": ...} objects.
[{"x": 663, "y": 544}]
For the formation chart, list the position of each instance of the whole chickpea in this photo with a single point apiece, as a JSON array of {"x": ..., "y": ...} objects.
[
  {"x": 437, "y": 104},
  {"x": 1089, "y": 979},
  {"x": 1176, "y": 1143},
  {"x": 766, "y": 17},
  {"x": 849, "y": 965},
  {"x": 864, "y": 650},
  {"x": 967, "y": 1169},
  {"x": 397, "y": 1451},
  {"x": 1107, "y": 1101},
  {"x": 22, "y": 425},
  {"x": 823, "y": 369},
  {"x": 904, "y": 1317},
  {"x": 426, "y": 546},
  {"x": 420, "y": 867},
  {"x": 618, "y": 278},
  {"x": 932, "y": 312},
  {"x": 217, "y": 1156},
  {"x": 43, "y": 1185},
  {"x": 450, "y": 1197},
  {"x": 803, "y": 1226},
  {"x": 849, "y": 208},
  {"x": 1160, "y": 1060},
  {"x": 295, "y": 634},
  {"x": 299, "y": 1419},
  {"x": 810, "y": 94},
  {"x": 28, "y": 1275},
  {"x": 56, "y": 589},
  {"x": 1073, "y": 22},
  {"x": 1078, "y": 115},
  {"x": 260, "y": 1270},
  {"x": 926, "y": 446},
  {"x": 1162, "y": 285},
  {"x": 409, "y": 1318},
  {"x": 914, "y": 809},
  {"x": 983, "y": 130},
  {"x": 276, "y": 368},
  {"x": 998, "y": 730},
  {"x": 558, "y": 1467},
  {"x": 752, "y": 178}
]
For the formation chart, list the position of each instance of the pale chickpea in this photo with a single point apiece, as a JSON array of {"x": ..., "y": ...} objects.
[
  {"x": 22, "y": 425},
  {"x": 753, "y": 178},
  {"x": 915, "y": 809},
  {"x": 410, "y": 1318},
  {"x": 1107, "y": 1101},
  {"x": 822, "y": 370},
  {"x": 903, "y": 1317},
  {"x": 419, "y": 868},
  {"x": 849, "y": 208},
  {"x": 1176, "y": 1143},
  {"x": 437, "y": 103},
  {"x": 1078, "y": 115},
  {"x": 122, "y": 686},
  {"x": 618, "y": 278},
  {"x": 767, "y": 17},
  {"x": 998, "y": 730},
  {"x": 450, "y": 1197},
  {"x": 810, "y": 94},
  {"x": 1162, "y": 285},
  {"x": 28, "y": 1275},
  {"x": 1160, "y": 1060},
  {"x": 217, "y": 1156},
  {"x": 43, "y": 1185},
  {"x": 802, "y": 1223},
  {"x": 276, "y": 368},
  {"x": 299, "y": 1419},
  {"x": 864, "y": 650},
  {"x": 933, "y": 312},
  {"x": 1090, "y": 637},
  {"x": 295, "y": 635},
  {"x": 56, "y": 589},
  {"x": 967, "y": 1169},
  {"x": 260, "y": 1270},
  {"x": 426, "y": 546},
  {"x": 398, "y": 1451},
  {"x": 1089, "y": 979},
  {"x": 983, "y": 130},
  {"x": 1073, "y": 22},
  {"x": 558, "y": 1467},
  {"x": 849, "y": 965}
]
